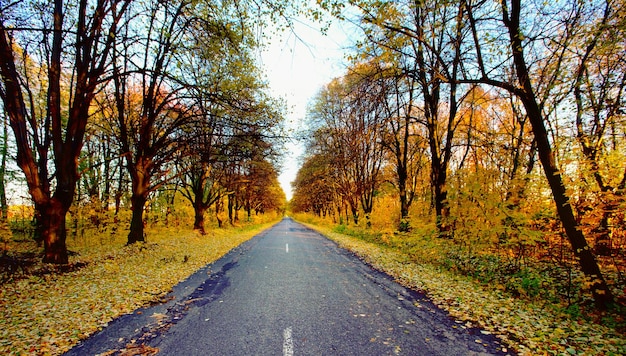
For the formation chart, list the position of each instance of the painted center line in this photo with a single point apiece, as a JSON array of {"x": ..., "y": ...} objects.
[
  {"x": 287, "y": 343},
  {"x": 287, "y": 248}
]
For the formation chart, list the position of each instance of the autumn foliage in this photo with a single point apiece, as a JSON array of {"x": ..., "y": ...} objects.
[
  {"x": 460, "y": 117},
  {"x": 113, "y": 104}
]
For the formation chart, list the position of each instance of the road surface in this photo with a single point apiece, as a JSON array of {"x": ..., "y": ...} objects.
[{"x": 290, "y": 291}]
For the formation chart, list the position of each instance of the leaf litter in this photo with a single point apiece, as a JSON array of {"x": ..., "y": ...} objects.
[
  {"x": 526, "y": 327},
  {"x": 47, "y": 314}
]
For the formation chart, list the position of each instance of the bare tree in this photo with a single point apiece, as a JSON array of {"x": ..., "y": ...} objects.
[{"x": 400, "y": 134}]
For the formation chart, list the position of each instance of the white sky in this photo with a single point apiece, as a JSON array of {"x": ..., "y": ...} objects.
[{"x": 297, "y": 66}]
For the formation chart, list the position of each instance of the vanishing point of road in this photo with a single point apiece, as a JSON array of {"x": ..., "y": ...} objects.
[{"x": 291, "y": 291}]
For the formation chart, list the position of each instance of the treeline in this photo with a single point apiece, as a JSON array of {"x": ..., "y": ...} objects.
[
  {"x": 502, "y": 123},
  {"x": 112, "y": 103}
]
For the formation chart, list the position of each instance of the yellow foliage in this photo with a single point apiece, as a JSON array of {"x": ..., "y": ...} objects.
[
  {"x": 386, "y": 213},
  {"x": 5, "y": 234}
]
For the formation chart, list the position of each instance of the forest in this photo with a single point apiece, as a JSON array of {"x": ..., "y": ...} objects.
[
  {"x": 488, "y": 134},
  {"x": 121, "y": 105},
  {"x": 139, "y": 143},
  {"x": 485, "y": 139}
]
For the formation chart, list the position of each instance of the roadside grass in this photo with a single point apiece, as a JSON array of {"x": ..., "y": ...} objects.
[
  {"x": 525, "y": 322},
  {"x": 47, "y": 310}
]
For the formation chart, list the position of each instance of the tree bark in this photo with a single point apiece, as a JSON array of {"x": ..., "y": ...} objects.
[
  {"x": 4, "y": 207},
  {"x": 140, "y": 178},
  {"x": 248, "y": 209},
  {"x": 404, "y": 201},
  {"x": 53, "y": 224},
  {"x": 218, "y": 209},
  {"x": 442, "y": 209},
  {"x": 198, "y": 221},
  {"x": 354, "y": 208},
  {"x": 136, "y": 233},
  {"x": 230, "y": 206}
]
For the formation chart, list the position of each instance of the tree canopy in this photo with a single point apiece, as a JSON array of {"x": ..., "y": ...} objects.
[
  {"x": 118, "y": 90},
  {"x": 479, "y": 92}
]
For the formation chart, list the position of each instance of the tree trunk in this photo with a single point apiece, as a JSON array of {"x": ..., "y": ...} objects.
[
  {"x": 404, "y": 201},
  {"x": 601, "y": 293},
  {"x": 442, "y": 209},
  {"x": 140, "y": 174},
  {"x": 53, "y": 225},
  {"x": 4, "y": 207},
  {"x": 136, "y": 233},
  {"x": 355, "y": 213},
  {"x": 218, "y": 209},
  {"x": 230, "y": 209},
  {"x": 604, "y": 232},
  {"x": 404, "y": 225},
  {"x": 106, "y": 174},
  {"x": 199, "y": 210},
  {"x": 367, "y": 204},
  {"x": 339, "y": 209}
]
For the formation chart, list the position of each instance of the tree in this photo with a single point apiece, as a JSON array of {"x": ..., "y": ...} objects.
[
  {"x": 599, "y": 81},
  {"x": 401, "y": 137},
  {"x": 350, "y": 118},
  {"x": 149, "y": 139},
  {"x": 245, "y": 162},
  {"x": 427, "y": 37},
  {"x": 64, "y": 39},
  {"x": 175, "y": 65},
  {"x": 314, "y": 187},
  {"x": 4, "y": 173},
  {"x": 263, "y": 192},
  {"x": 525, "y": 50},
  {"x": 200, "y": 185},
  {"x": 230, "y": 100},
  {"x": 200, "y": 180},
  {"x": 533, "y": 96}
]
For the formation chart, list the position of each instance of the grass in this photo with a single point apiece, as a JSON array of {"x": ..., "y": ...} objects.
[
  {"x": 525, "y": 322},
  {"x": 47, "y": 310}
]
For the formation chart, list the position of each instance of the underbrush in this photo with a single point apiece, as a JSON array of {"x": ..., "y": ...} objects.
[
  {"x": 536, "y": 307},
  {"x": 47, "y": 309},
  {"x": 556, "y": 282}
]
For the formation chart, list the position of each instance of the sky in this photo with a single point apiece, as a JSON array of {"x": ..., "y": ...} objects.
[{"x": 298, "y": 64}]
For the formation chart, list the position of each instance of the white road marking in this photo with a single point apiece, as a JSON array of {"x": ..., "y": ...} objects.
[
  {"x": 287, "y": 248},
  {"x": 287, "y": 343}
]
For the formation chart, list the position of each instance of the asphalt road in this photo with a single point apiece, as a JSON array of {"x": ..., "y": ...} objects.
[{"x": 290, "y": 291}]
